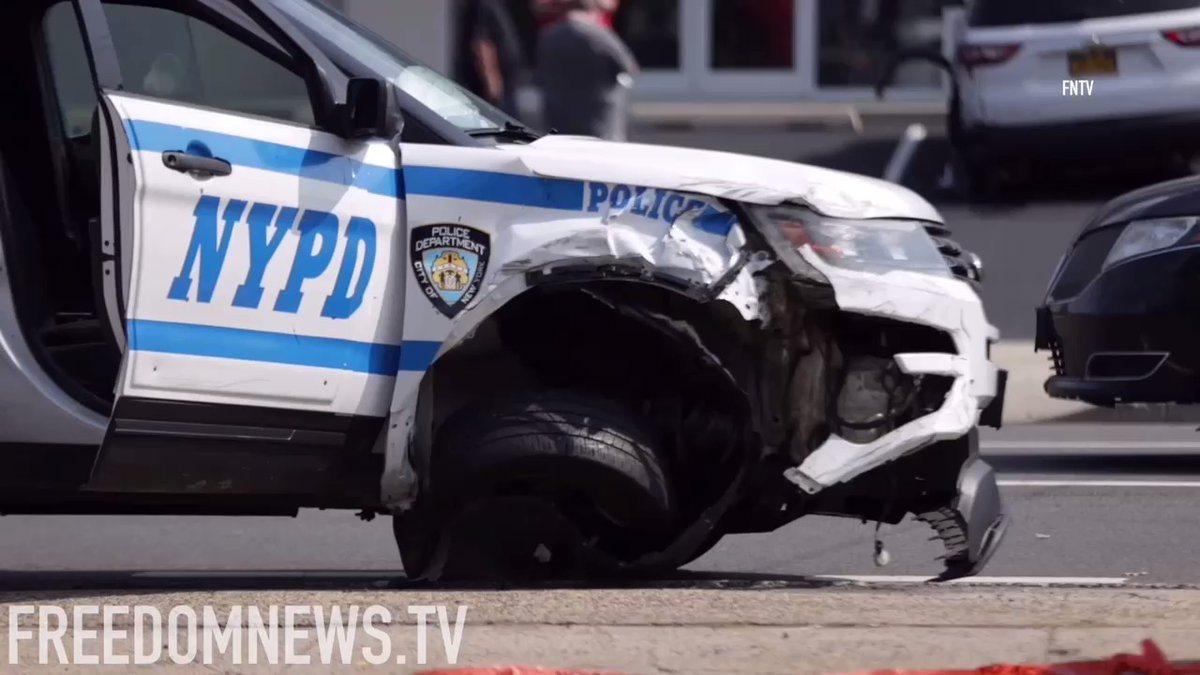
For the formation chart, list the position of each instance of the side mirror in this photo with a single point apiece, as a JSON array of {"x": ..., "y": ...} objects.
[{"x": 365, "y": 112}]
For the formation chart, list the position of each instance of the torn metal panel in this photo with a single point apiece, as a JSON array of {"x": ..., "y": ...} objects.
[
  {"x": 690, "y": 239},
  {"x": 744, "y": 292},
  {"x": 741, "y": 178},
  {"x": 697, "y": 244},
  {"x": 946, "y": 304}
]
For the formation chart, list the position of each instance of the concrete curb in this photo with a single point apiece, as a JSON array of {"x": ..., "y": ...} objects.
[{"x": 792, "y": 115}]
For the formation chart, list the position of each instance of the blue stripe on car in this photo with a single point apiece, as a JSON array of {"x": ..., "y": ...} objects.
[
  {"x": 284, "y": 348},
  {"x": 481, "y": 186}
]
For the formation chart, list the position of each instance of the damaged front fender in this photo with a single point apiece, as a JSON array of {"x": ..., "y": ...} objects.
[{"x": 689, "y": 243}]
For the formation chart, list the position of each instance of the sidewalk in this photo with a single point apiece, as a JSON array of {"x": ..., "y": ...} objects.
[
  {"x": 791, "y": 115},
  {"x": 758, "y": 629}
]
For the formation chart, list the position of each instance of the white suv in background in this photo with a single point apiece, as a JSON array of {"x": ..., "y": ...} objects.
[{"x": 1076, "y": 79}]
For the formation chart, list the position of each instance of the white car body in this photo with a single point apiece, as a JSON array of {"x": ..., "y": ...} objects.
[
  {"x": 1018, "y": 74},
  {"x": 533, "y": 201},
  {"x": 540, "y": 237}
]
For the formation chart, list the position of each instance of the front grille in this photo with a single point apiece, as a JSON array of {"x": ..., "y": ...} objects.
[
  {"x": 1056, "y": 358},
  {"x": 1047, "y": 338},
  {"x": 1084, "y": 262}
]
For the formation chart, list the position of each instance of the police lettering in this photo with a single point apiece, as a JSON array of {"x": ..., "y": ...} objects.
[
  {"x": 266, "y": 227},
  {"x": 649, "y": 203},
  {"x": 445, "y": 236}
]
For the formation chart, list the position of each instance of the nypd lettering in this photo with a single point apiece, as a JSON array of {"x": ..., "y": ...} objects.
[
  {"x": 266, "y": 226},
  {"x": 450, "y": 263},
  {"x": 661, "y": 205}
]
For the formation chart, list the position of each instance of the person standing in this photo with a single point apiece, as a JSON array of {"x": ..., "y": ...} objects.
[
  {"x": 489, "y": 60},
  {"x": 585, "y": 72}
]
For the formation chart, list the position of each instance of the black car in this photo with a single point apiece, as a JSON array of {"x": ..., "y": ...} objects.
[{"x": 1122, "y": 316}]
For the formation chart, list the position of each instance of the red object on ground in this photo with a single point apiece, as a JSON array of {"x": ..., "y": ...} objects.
[
  {"x": 514, "y": 670},
  {"x": 1151, "y": 662}
]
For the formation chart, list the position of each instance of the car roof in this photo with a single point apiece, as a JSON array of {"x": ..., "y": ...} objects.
[{"x": 998, "y": 13}]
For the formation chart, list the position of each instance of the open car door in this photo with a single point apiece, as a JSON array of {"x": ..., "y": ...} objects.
[{"x": 250, "y": 261}]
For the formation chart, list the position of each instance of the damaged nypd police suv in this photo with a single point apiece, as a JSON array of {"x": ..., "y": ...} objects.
[{"x": 257, "y": 260}]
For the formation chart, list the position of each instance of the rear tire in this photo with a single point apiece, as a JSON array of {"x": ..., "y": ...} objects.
[{"x": 508, "y": 476}]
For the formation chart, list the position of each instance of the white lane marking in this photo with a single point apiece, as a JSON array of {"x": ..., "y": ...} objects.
[
  {"x": 989, "y": 581},
  {"x": 266, "y": 574},
  {"x": 1090, "y": 445},
  {"x": 1101, "y": 483}
]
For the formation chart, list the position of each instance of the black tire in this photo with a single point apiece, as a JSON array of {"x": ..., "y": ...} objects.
[
  {"x": 595, "y": 445},
  {"x": 416, "y": 538},
  {"x": 592, "y": 458}
]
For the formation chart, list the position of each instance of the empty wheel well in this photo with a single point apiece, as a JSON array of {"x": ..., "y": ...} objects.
[{"x": 678, "y": 363}]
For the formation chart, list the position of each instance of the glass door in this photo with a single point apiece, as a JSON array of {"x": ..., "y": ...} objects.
[
  {"x": 653, "y": 30},
  {"x": 757, "y": 48},
  {"x": 858, "y": 38}
]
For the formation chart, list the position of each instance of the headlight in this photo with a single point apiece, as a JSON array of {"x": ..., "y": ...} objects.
[
  {"x": 1144, "y": 236},
  {"x": 874, "y": 245}
]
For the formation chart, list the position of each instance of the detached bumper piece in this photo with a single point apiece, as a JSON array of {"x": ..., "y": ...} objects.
[{"x": 972, "y": 527}]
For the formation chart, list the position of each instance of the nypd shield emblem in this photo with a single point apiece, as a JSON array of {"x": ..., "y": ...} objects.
[{"x": 450, "y": 262}]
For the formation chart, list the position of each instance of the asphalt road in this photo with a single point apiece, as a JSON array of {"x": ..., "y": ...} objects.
[{"x": 1088, "y": 501}]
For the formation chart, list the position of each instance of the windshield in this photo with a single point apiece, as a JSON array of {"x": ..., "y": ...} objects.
[
  {"x": 1014, "y": 12},
  {"x": 334, "y": 32}
]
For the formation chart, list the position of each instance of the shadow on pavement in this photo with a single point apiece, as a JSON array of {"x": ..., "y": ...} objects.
[
  {"x": 1129, "y": 466},
  {"x": 1158, "y": 414}
]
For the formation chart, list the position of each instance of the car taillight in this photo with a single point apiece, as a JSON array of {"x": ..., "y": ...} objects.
[
  {"x": 973, "y": 56},
  {"x": 1184, "y": 37}
]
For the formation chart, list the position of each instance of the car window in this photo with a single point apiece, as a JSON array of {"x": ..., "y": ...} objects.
[
  {"x": 1014, "y": 12},
  {"x": 443, "y": 96},
  {"x": 171, "y": 55},
  {"x": 167, "y": 54},
  {"x": 70, "y": 70}
]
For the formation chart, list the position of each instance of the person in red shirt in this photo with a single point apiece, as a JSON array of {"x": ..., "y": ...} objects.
[{"x": 549, "y": 12}]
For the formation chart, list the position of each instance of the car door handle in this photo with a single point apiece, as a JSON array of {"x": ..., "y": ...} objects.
[{"x": 196, "y": 164}]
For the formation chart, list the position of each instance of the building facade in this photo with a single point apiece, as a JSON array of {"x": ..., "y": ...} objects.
[{"x": 721, "y": 50}]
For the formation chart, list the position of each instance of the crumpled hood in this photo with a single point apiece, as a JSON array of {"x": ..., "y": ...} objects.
[{"x": 724, "y": 175}]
